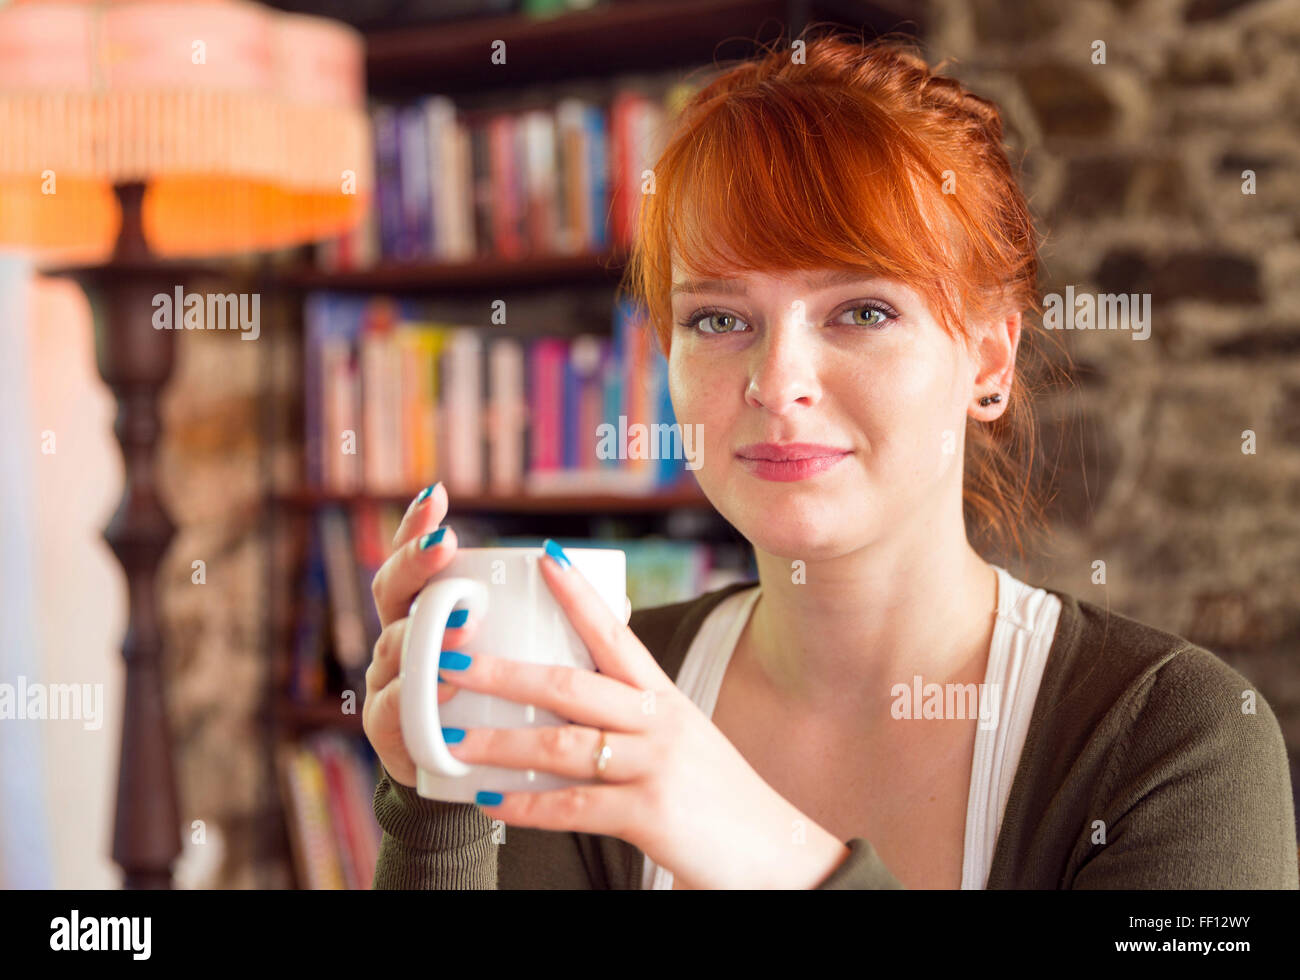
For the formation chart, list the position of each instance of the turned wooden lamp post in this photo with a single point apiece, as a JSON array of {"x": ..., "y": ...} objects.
[{"x": 136, "y": 138}]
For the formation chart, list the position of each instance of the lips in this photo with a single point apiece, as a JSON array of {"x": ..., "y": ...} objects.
[
  {"x": 791, "y": 461},
  {"x": 787, "y": 452}
]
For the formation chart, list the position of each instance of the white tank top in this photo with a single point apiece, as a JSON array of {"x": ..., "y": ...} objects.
[{"x": 1022, "y": 638}]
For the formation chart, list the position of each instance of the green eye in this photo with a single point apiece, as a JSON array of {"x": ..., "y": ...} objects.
[
  {"x": 870, "y": 316},
  {"x": 870, "y": 311},
  {"x": 723, "y": 323}
]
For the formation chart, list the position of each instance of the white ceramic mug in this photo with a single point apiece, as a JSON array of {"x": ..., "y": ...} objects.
[{"x": 517, "y": 618}]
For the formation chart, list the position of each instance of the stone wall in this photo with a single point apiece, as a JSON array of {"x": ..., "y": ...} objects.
[
  {"x": 1135, "y": 168},
  {"x": 213, "y": 464}
]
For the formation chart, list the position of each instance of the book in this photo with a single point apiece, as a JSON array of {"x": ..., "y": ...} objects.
[
  {"x": 382, "y": 423},
  {"x": 311, "y": 836},
  {"x": 414, "y": 170},
  {"x": 462, "y": 401},
  {"x": 348, "y": 624},
  {"x": 307, "y": 664},
  {"x": 388, "y": 178},
  {"x": 506, "y": 416},
  {"x": 327, "y": 782},
  {"x": 560, "y": 180},
  {"x": 396, "y": 400}
]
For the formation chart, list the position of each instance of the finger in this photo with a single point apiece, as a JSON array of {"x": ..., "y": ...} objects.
[
  {"x": 387, "y": 661},
  {"x": 595, "y": 809},
  {"x": 381, "y": 721},
  {"x": 423, "y": 514},
  {"x": 613, "y": 646},
  {"x": 565, "y": 750},
  {"x": 581, "y": 696},
  {"x": 407, "y": 569}
]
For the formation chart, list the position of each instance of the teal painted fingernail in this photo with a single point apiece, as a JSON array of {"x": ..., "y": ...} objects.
[
  {"x": 426, "y": 493},
  {"x": 452, "y": 735},
  {"x": 429, "y": 540},
  {"x": 485, "y": 797},
  {"x": 556, "y": 552},
  {"x": 441, "y": 681},
  {"x": 458, "y": 617},
  {"x": 453, "y": 660}
]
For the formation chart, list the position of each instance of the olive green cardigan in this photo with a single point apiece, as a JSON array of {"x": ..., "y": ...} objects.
[{"x": 1132, "y": 726}]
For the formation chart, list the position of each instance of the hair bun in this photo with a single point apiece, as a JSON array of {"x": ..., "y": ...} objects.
[
  {"x": 900, "y": 61},
  {"x": 941, "y": 90}
]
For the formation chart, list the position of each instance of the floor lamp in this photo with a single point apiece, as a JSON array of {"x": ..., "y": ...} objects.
[{"x": 137, "y": 139}]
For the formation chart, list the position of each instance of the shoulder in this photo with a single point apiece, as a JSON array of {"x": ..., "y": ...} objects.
[
  {"x": 1162, "y": 706},
  {"x": 667, "y": 630},
  {"x": 1104, "y": 657},
  {"x": 1165, "y": 743}
]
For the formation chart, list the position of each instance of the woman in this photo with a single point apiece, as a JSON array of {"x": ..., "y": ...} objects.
[{"x": 836, "y": 259}]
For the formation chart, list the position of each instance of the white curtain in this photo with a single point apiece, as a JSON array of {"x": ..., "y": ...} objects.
[{"x": 24, "y": 842}]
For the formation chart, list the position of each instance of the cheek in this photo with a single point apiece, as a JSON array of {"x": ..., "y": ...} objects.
[
  {"x": 904, "y": 403},
  {"x": 709, "y": 404},
  {"x": 696, "y": 392}
]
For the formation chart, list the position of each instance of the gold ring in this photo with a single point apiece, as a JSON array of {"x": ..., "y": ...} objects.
[{"x": 602, "y": 755}]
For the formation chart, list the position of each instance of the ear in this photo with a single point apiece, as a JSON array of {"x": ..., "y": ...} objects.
[{"x": 995, "y": 361}]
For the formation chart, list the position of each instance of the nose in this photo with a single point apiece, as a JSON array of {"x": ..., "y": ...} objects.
[{"x": 784, "y": 370}]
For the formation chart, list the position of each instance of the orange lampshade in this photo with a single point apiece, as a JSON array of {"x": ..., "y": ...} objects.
[{"x": 247, "y": 125}]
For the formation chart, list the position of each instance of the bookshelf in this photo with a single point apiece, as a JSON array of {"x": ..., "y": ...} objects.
[
  {"x": 448, "y": 278},
  {"x": 451, "y": 60},
  {"x": 635, "y": 35},
  {"x": 518, "y": 503}
]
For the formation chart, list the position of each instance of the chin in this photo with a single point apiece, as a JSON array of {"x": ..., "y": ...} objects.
[
  {"x": 791, "y": 545},
  {"x": 792, "y": 526}
]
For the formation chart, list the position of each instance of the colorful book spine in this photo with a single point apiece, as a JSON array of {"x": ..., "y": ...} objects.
[
  {"x": 597, "y": 177},
  {"x": 349, "y": 630},
  {"x": 504, "y": 163},
  {"x": 561, "y": 180},
  {"x": 462, "y": 407},
  {"x": 307, "y": 669},
  {"x": 310, "y": 832},
  {"x": 327, "y": 783},
  {"x": 395, "y": 403},
  {"x": 419, "y": 405},
  {"x": 507, "y": 416},
  {"x": 388, "y": 178},
  {"x": 340, "y": 818},
  {"x": 415, "y": 174},
  {"x": 546, "y": 380}
]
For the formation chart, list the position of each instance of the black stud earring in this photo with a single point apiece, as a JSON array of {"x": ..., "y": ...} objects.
[{"x": 990, "y": 399}]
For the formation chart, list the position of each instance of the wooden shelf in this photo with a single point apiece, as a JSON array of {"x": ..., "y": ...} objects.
[
  {"x": 516, "y": 503},
  {"x": 329, "y": 715},
  {"x": 622, "y": 37},
  {"x": 490, "y": 272},
  {"x": 611, "y": 37}
]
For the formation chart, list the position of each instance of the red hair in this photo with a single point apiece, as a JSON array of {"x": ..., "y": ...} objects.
[{"x": 856, "y": 155}]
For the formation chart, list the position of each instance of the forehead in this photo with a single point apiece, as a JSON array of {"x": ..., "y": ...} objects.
[{"x": 807, "y": 280}]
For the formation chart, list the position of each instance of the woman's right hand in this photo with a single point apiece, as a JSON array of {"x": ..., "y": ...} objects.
[{"x": 415, "y": 560}]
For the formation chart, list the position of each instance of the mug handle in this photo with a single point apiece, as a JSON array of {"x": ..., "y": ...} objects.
[{"x": 421, "y": 650}]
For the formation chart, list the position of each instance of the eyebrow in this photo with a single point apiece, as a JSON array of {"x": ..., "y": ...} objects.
[{"x": 730, "y": 287}]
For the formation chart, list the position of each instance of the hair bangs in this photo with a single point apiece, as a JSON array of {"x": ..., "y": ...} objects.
[{"x": 779, "y": 180}]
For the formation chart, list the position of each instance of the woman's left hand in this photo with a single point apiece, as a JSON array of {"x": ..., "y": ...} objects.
[{"x": 674, "y": 786}]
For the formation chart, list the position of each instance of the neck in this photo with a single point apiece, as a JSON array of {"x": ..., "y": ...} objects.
[{"x": 834, "y": 644}]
